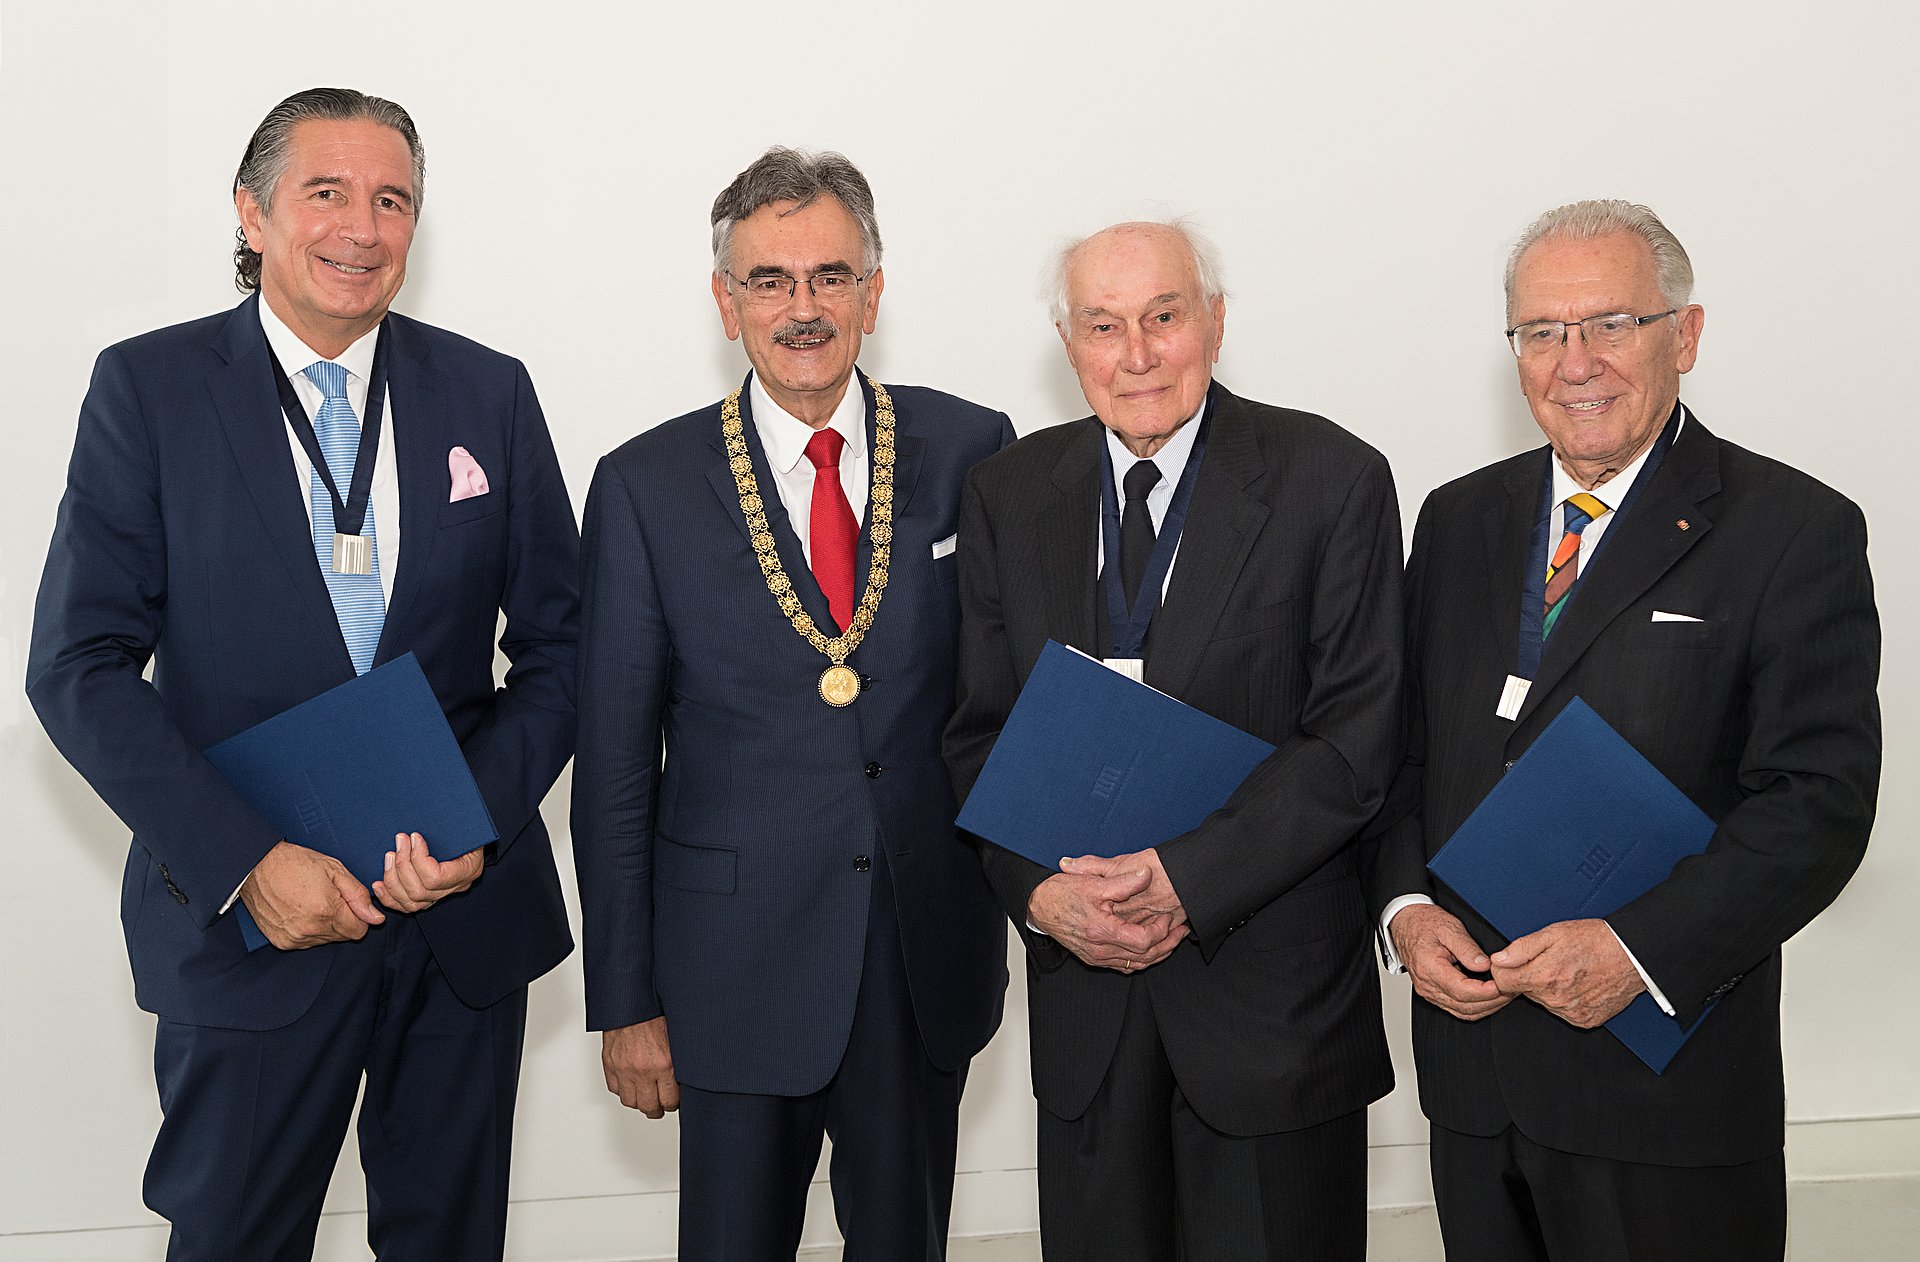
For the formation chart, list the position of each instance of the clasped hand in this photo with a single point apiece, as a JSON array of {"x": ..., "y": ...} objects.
[
  {"x": 302, "y": 898},
  {"x": 1575, "y": 969},
  {"x": 1120, "y": 913}
]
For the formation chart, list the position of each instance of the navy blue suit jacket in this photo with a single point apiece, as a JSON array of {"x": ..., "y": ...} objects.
[
  {"x": 183, "y": 538},
  {"x": 726, "y": 890}
]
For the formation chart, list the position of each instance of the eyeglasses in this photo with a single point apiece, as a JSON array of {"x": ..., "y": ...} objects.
[
  {"x": 1538, "y": 338},
  {"x": 775, "y": 288}
]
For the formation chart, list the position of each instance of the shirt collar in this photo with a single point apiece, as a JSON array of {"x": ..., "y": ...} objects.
[
  {"x": 784, "y": 436},
  {"x": 1612, "y": 492},
  {"x": 1172, "y": 457},
  {"x": 295, "y": 355}
]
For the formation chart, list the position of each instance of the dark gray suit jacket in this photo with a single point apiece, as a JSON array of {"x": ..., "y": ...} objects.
[{"x": 1283, "y": 620}]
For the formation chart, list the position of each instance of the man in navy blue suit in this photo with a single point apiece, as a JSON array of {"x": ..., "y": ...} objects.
[
  {"x": 199, "y": 533},
  {"x": 784, "y": 934}
]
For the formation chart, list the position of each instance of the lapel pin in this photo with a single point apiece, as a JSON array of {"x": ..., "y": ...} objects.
[{"x": 1683, "y": 523}]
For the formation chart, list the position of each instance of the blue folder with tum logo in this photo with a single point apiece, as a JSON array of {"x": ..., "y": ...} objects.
[
  {"x": 1091, "y": 762},
  {"x": 1581, "y": 826},
  {"x": 345, "y": 771}
]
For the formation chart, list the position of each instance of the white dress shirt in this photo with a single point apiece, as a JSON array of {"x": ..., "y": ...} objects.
[
  {"x": 1613, "y": 492},
  {"x": 294, "y": 356},
  {"x": 784, "y": 438}
]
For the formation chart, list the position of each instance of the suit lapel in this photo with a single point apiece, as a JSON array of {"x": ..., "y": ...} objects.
[
  {"x": 909, "y": 453},
  {"x": 419, "y": 397},
  {"x": 1068, "y": 524},
  {"x": 785, "y": 542},
  {"x": 248, "y": 404},
  {"x": 1635, "y": 553},
  {"x": 1223, "y": 520},
  {"x": 1508, "y": 527}
]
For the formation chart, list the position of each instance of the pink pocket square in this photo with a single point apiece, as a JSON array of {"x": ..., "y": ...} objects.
[{"x": 469, "y": 479}]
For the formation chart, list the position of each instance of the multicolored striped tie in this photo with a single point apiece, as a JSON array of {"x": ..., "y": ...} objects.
[
  {"x": 1563, "y": 571},
  {"x": 358, "y": 602}
]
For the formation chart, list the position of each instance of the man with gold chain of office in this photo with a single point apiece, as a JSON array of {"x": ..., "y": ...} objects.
[{"x": 785, "y": 936}]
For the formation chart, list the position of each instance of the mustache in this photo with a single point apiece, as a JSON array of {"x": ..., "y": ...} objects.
[{"x": 806, "y": 330}]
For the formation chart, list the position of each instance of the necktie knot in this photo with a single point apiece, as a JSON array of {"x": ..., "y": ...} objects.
[
  {"x": 1582, "y": 509},
  {"x": 823, "y": 449},
  {"x": 329, "y": 377},
  {"x": 1141, "y": 479}
]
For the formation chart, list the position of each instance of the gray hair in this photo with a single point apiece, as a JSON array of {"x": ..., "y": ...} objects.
[
  {"x": 795, "y": 175},
  {"x": 270, "y": 150},
  {"x": 1589, "y": 220},
  {"x": 1206, "y": 261}
]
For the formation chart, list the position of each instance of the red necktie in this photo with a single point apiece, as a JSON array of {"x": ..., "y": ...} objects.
[{"x": 831, "y": 527}]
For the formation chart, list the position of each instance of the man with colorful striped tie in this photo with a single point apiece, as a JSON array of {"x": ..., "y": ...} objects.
[
  {"x": 266, "y": 503},
  {"x": 1715, "y": 608}
]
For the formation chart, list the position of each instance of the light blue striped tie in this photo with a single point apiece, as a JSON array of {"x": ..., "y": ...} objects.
[{"x": 357, "y": 600}]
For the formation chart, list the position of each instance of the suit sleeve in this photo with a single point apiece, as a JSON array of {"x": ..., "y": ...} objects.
[
  {"x": 624, "y": 656},
  {"x": 101, "y": 611},
  {"x": 985, "y": 690},
  {"x": 1312, "y": 795},
  {"x": 1393, "y": 848},
  {"x": 517, "y": 751},
  {"x": 1808, "y": 771}
]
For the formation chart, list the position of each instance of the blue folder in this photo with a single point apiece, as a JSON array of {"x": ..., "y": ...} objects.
[
  {"x": 346, "y": 771},
  {"x": 1091, "y": 762},
  {"x": 1581, "y": 826}
]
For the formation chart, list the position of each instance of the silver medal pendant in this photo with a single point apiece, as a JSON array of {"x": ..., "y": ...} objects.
[{"x": 352, "y": 554}]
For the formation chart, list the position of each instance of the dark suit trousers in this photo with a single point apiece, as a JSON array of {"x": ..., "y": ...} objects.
[
  {"x": 1505, "y": 1198},
  {"x": 746, "y": 1160},
  {"x": 254, "y": 1119},
  {"x": 1139, "y": 1177}
]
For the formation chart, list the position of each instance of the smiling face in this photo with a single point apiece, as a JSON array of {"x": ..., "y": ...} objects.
[
  {"x": 1601, "y": 409},
  {"x": 803, "y": 348},
  {"x": 1139, "y": 332},
  {"x": 333, "y": 245}
]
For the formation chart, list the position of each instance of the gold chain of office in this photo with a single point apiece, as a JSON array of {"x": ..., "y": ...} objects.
[{"x": 839, "y": 683}]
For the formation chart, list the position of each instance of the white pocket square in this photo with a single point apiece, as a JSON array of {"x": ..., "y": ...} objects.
[
  {"x": 945, "y": 547},
  {"x": 1661, "y": 615}
]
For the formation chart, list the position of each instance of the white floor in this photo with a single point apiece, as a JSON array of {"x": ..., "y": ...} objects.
[{"x": 1854, "y": 1220}]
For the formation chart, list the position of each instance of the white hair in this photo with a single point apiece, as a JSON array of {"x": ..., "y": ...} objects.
[
  {"x": 1206, "y": 261},
  {"x": 1588, "y": 220}
]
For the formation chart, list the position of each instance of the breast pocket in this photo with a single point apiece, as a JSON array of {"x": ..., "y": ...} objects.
[
  {"x": 1684, "y": 635},
  {"x": 1256, "y": 620},
  {"x": 476, "y": 508}
]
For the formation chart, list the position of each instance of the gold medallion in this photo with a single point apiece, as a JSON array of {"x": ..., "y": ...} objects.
[{"x": 839, "y": 685}]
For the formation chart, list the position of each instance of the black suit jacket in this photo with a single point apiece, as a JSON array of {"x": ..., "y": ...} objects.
[
  {"x": 1282, "y": 619},
  {"x": 1763, "y": 712}
]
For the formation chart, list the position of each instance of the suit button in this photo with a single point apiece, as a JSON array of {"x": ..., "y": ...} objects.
[
  {"x": 1506, "y": 766},
  {"x": 861, "y": 863},
  {"x": 873, "y": 770},
  {"x": 866, "y": 682}
]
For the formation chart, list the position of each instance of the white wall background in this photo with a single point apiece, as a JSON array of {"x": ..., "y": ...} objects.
[{"x": 1363, "y": 167}]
